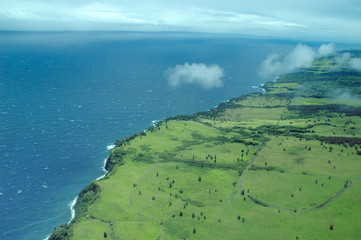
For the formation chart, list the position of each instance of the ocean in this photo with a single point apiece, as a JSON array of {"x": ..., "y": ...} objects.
[{"x": 66, "y": 97}]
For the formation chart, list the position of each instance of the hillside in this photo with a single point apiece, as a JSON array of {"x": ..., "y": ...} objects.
[{"x": 283, "y": 164}]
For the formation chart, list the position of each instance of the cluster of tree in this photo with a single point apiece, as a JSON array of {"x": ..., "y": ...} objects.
[
  {"x": 62, "y": 233},
  {"x": 306, "y": 110},
  {"x": 87, "y": 196},
  {"x": 122, "y": 141},
  {"x": 116, "y": 157},
  {"x": 266, "y": 168},
  {"x": 346, "y": 141}
]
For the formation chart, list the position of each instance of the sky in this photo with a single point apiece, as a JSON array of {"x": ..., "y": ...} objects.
[{"x": 324, "y": 20}]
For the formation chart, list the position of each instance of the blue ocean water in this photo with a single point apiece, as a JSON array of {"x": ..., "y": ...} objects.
[{"x": 65, "y": 97}]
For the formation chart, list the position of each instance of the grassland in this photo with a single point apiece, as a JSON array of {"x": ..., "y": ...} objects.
[{"x": 279, "y": 165}]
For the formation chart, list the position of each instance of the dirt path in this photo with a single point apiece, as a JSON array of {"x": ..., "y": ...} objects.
[
  {"x": 139, "y": 212},
  {"x": 323, "y": 205}
]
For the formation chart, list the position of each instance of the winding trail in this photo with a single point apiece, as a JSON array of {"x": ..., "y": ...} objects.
[
  {"x": 253, "y": 160},
  {"x": 323, "y": 205},
  {"x": 139, "y": 212}
]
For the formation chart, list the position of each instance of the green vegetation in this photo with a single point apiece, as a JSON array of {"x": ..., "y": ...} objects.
[{"x": 279, "y": 165}]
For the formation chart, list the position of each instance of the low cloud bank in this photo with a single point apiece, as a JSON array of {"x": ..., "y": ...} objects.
[
  {"x": 196, "y": 73},
  {"x": 326, "y": 50},
  {"x": 300, "y": 57},
  {"x": 345, "y": 96},
  {"x": 355, "y": 64},
  {"x": 346, "y": 60}
]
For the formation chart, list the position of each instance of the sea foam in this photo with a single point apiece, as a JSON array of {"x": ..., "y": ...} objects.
[
  {"x": 72, "y": 208},
  {"x": 104, "y": 170},
  {"x": 110, "y": 147}
]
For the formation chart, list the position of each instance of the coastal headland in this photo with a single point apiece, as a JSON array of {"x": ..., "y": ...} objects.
[{"x": 284, "y": 164}]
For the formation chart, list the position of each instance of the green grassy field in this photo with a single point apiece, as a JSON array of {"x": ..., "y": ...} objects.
[{"x": 279, "y": 165}]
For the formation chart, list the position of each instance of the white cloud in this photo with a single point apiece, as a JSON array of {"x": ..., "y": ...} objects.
[
  {"x": 345, "y": 96},
  {"x": 346, "y": 60},
  {"x": 300, "y": 57},
  {"x": 326, "y": 50},
  {"x": 195, "y": 73},
  {"x": 355, "y": 64}
]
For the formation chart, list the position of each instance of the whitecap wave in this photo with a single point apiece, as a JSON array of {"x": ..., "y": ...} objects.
[
  {"x": 72, "y": 208},
  {"x": 110, "y": 147},
  {"x": 104, "y": 170},
  {"x": 47, "y": 237},
  {"x": 155, "y": 123},
  {"x": 101, "y": 177},
  {"x": 260, "y": 88}
]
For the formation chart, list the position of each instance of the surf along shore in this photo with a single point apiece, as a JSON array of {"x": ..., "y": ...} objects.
[{"x": 282, "y": 164}]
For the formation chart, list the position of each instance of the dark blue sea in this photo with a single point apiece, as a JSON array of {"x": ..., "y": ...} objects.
[{"x": 66, "y": 97}]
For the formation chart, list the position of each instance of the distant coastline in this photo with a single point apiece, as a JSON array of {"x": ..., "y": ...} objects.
[{"x": 269, "y": 128}]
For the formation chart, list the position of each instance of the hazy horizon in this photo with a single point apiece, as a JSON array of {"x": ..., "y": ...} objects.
[{"x": 336, "y": 21}]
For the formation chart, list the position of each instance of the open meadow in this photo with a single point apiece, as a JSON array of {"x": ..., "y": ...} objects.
[{"x": 279, "y": 165}]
